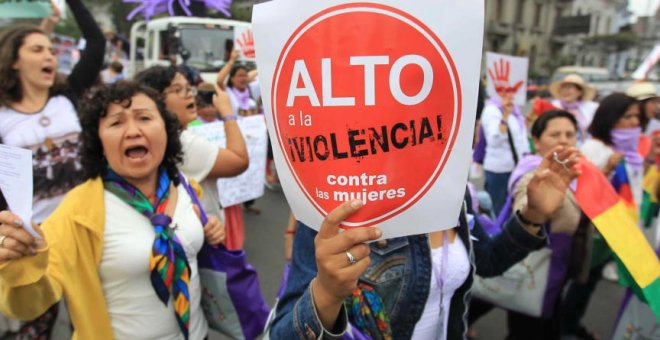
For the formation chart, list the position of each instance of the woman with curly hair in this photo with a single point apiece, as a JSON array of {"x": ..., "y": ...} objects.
[
  {"x": 38, "y": 112},
  {"x": 122, "y": 246}
]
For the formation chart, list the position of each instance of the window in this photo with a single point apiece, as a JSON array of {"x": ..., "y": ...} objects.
[
  {"x": 520, "y": 11},
  {"x": 537, "y": 14},
  {"x": 499, "y": 10},
  {"x": 596, "y": 25}
]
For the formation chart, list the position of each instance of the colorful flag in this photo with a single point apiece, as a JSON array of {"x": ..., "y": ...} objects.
[
  {"x": 621, "y": 183},
  {"x": 611, "y": 215},
  {"x": 649, "y": 208}
]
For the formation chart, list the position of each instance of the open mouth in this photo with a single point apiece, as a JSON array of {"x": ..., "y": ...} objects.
[
  {"x": 136, "y": 152},
  {"x": 191, "y": 106},
  {"x": 48, "y": 70}
]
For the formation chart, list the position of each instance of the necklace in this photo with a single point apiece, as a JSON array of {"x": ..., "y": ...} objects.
[{"x": 44, "y": 121}]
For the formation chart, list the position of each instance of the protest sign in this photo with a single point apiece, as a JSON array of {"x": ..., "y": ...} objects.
[
  {"x": 250, "y": 184},
  {"x": 25, "y": 8},
  {"x": 374, "y": 102},
  {"x": 16, "y": 183},
  {"x": 244, "y": 42},
  {"x": 506, "y": 72}
]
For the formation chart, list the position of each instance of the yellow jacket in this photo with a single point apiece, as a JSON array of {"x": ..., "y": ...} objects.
[{"x": 69, "y": 266}]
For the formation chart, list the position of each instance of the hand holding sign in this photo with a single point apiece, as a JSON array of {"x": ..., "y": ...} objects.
[
  {"x": 15, "y": 241},
  {"x": 341, "y": 257},
  {"x": 499, "y": 74},
  {"x": 246, "y": 42}
]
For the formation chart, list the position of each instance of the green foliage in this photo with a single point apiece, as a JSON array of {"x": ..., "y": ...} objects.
[{"x": 68, "y": 26}]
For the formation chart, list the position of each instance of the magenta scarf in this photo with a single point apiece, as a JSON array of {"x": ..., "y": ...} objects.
[
  {"x": 515, "y": 111},
  {"x": 626, "y": 141},
  {"x": 243, "y": 97}
]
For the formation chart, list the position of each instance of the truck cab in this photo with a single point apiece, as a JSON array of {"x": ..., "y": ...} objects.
[{"x": 202, "y": 43}]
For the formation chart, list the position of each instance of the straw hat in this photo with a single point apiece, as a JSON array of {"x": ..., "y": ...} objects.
[
  {"x": 642, "y": 91},
  {"x": 588, "y": 92}
]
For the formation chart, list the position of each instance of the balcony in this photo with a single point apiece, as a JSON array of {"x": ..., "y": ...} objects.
[{"x": 497, "y": 27}]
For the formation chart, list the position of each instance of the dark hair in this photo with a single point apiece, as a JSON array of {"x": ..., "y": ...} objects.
[
  {"x": 610, "y": 110},
  {"x": 116, "y": 67},
  {"x": 541, "y": 123},
  {"x": 11, "y": 41},
  {"x": 157, "y": 77},
  {"x": 233, "y": 72},
  {"x": 94, "y": 106},
  {"x": 643, "y": 118}
]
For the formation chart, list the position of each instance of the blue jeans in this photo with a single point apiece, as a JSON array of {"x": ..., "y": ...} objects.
[{"x": 496, "y": 186}]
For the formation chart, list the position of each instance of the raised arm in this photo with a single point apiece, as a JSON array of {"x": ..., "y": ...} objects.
[
  {"x": 226, "y": 68},
  {"x": 89, "y": 66}
]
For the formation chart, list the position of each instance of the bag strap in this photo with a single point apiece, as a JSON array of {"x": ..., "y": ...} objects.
[
  {"x": 514, "y": 153},
  {"x": 194, "y": 198}
]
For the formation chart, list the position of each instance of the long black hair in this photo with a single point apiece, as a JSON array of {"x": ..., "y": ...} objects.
[
  {"x": 610, "y": 110},
  {"x": 94, "y": 106}
]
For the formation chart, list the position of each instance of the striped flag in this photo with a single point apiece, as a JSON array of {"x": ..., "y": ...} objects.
[
  {"x": 649, "y": 208},
  {"x": 621, "y": 183},
  {"x": 611, "y": 215}
]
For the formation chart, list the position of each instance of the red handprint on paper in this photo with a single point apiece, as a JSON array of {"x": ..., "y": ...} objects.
[
  {"x": 499, "y": 74},
  {"x": 246, "y": 42}
]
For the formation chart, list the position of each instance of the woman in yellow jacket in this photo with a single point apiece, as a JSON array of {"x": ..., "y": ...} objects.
[{"x": 121, "y": 248}]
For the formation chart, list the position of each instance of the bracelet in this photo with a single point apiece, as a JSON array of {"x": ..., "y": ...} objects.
[
  {"x": 231, "y": 117},
  {"x": 522, "y": 219},
  {"x": 503, "y": 122},
  {"x": 289, "y": 232}
]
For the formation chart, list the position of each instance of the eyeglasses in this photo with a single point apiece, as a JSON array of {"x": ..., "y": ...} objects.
[{"x": 183, "y": 92}]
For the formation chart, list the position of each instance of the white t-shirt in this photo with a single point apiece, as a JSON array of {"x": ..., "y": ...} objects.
[
  {"x": 198, "y": 160},
  {"x": 499, "y": 158},
  {"x": 135, "y": 310},
  {"x": 53, "y": 136},
  {"x": 458, "y": 269}
]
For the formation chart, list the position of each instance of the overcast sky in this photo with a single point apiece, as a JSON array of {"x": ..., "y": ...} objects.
[{"x": 643, "y": 7}]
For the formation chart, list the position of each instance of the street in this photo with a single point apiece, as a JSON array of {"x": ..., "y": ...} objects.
[{"x": 264, "y": 245}]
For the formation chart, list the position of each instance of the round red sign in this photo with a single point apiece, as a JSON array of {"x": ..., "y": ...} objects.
[{"x": 366, "y": 102}]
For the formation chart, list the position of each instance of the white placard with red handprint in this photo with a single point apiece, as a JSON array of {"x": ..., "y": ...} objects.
[
  {"x": 372, "y": 101},
  {"x": 507, "y": 73},
  {"x": 244, "y": 42}
]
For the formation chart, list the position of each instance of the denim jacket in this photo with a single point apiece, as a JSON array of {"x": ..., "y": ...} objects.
[{"x": 400, "y": 271}]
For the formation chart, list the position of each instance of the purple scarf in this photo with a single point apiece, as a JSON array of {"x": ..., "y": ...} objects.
[
  {"x": 570, "y": 106},
  {"x": 626, "y": 141},
  {"x": 243, "y": 97},
  {"x": 574, "y": 108},
  {"x": 479, "y": 152},
  {"x": 515, "y": 111}
]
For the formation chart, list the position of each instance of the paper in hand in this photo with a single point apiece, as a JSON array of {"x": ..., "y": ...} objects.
[{"x": 16, "y": 184}]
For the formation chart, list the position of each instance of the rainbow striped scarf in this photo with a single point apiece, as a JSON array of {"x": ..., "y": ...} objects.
[{"x": 168, "y": 264}]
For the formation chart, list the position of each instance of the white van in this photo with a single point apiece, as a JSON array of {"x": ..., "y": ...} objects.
[{"x": 206, "y": 41}]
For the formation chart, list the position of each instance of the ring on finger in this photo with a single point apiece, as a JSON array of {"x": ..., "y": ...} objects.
[
  {"x": 350, "y": 257},
  {"x": 2, "y": 240}
]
